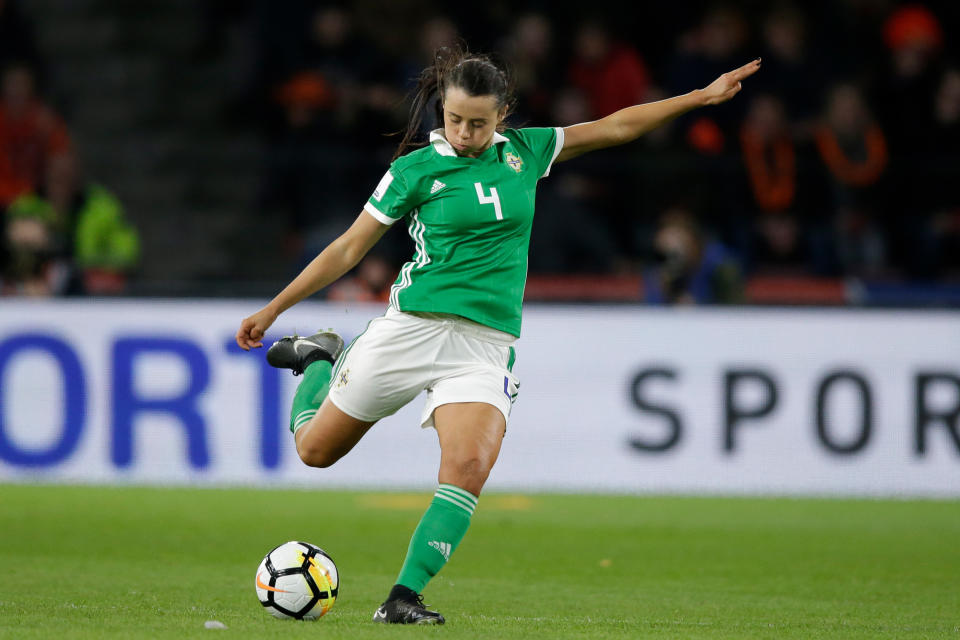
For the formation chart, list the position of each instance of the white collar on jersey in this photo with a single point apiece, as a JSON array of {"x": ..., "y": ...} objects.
[{"x": 444, "y": 148}]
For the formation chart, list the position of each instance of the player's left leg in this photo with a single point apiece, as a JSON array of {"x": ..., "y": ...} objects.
[{"x": 470, "y": 437}]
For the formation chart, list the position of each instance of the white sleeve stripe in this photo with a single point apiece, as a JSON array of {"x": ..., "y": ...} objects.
[
  {"x": 376, "y": 213},
  {"x": 382, "y": 186},
  {"x": 558, "y": 147}
]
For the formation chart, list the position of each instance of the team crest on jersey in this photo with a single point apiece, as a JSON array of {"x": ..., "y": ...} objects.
[{"x": 515, "y": 161}]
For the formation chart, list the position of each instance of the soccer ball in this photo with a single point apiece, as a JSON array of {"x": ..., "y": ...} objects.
[{"x": 297, "y": 580}]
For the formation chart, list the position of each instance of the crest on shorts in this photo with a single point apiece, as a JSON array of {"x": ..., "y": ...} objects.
[
  {"x": 343, "y": 378},
  {"x": 515, "y": 161}
]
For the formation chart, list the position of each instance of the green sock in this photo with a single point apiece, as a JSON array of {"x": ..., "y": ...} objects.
[
  {"x": 311, "y": 393},
  {"x": 440, "y": 531}
]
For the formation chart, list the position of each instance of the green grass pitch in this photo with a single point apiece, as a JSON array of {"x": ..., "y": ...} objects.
[{"x": 85, "y": 562}]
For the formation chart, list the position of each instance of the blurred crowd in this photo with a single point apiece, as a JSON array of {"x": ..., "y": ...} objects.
[
  {"x": 60, "y": 233},
  {"x": 838, "y": 159}
]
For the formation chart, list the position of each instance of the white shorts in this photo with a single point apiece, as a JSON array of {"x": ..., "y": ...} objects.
[{"x": 401, "y": 354}]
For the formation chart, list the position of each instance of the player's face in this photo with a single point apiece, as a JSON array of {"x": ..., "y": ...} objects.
[{"x": 469, "y": 122}]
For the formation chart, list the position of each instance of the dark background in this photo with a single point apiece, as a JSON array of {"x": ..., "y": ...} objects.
[{"x": 238, "y": 138}]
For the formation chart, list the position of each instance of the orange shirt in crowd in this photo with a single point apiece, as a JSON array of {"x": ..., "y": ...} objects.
[
  {"x": 853, "y": 173},
  {"x": 27, "y": 142},
  {"x": 771, "y": 169}
]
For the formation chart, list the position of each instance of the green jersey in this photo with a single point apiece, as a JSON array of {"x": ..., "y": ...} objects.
[{"x": 470, "y": 219}]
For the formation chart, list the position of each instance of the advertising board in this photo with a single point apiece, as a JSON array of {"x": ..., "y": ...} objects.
[{"x": 620, "y": 399}]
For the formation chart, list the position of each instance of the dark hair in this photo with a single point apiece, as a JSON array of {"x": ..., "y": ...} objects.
[{"x": 477, "y": 75}]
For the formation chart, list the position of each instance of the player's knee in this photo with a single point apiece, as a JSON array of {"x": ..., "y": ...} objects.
[
  {"x": 470, "y": 471},
  {"x": 316, "y": 455}
]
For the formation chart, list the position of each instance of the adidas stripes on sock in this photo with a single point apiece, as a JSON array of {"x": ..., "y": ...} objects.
[
  {"x": 311, "y": 393},
  {"x": 436, "y": 537}
]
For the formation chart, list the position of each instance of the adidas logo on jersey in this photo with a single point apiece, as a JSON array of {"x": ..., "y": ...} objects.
[
  {"x": 437, "y": 185},
  {"x": 442, "y": 547}
]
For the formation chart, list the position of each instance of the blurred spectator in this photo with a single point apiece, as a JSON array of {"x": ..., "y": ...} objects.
[
  {"x": 321, "y": 78},
  {"x": 704, "y": 51},
  {"x": 364, "y": 100},
  {"x": 690, "y": 268},
  {"x": 709, "y": 48},
  {"x": 331, "y": 48},
  {"x": 303, "y": 94},
  {"x": 438, "y": 31},
  {"x": 304, "y": 166},
  {"x": 790, "y": 69},
  {"x": 310, "y": 168},
  {"x": 853, "y": 148},
  {"x": 332, "y": 114},
  {"x": 33, "y": 266},
  {"x": 570, "y": 233},
  {"x": 606, "y": 74},
  {"x": 31, "y": 134},
  {"x": 946, "y": 111},
  {"x": 770, "y": 159},
  {"x": 931, "y": 226},
  {"x": 851, "y": 144},
  {"x": 914, "y": 39},
  {"x": 769, "y": 155},
  {"x": 611, "y": 74},
  {"x": 712, "y": 47},
  {"x": 433, "y": 33},
  {"x": 914, "y": 35},
  {"x": 529, "y": 49},
  {"x": 85, "y": 226}
]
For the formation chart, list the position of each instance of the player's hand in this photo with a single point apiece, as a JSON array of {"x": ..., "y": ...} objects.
[
  {"x": 250, "y": 333},
  {"x": 728, "y": 85}
]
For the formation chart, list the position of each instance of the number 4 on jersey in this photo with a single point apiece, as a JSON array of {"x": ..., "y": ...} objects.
[{"x": 493, "y": 198}]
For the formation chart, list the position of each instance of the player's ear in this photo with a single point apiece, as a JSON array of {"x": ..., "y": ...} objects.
[{"x": 502, "y": 114}]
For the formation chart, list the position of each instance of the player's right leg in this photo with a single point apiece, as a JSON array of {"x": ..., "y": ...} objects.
[
  {"x": 329, "y": 435},
  {"x": 323, "y": 433},
  {"x": 383, "y": 369}
]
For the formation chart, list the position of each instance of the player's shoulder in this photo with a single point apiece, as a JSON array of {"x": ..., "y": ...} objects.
[
  {"x": 414, "y": 162},
  {"x": 530, "y": 137}
]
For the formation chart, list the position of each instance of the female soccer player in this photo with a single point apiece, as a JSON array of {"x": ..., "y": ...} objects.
[{"x": 468, "y": 198}]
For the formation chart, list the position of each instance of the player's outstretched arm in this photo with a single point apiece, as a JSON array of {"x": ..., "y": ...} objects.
[
  {"x": 629, "y": 124},
  {"x": 340, "y": 256}
]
